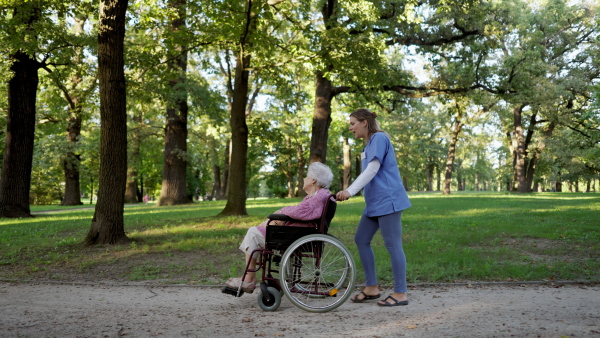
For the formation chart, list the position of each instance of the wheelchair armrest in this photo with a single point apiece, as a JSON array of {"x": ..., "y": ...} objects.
[{"x": 280, "y": 217}]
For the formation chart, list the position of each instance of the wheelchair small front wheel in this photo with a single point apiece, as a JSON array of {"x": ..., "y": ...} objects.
[{"x": 270, "y": 303}]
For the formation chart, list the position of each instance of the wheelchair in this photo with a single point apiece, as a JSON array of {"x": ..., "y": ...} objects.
[{"x": 314, "y": 270}]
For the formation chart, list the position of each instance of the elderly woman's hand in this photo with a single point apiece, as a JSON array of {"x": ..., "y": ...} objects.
[{"x": 342, "y": 195}]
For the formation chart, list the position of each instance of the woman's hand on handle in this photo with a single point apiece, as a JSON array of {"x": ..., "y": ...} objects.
[{"x": 342, "y": 195}]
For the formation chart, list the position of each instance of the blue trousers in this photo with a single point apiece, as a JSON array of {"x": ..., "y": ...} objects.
[{"x": 391, "y": 230}]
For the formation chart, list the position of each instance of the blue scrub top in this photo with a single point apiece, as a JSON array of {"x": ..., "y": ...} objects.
[{"x": 385, "y": 193}]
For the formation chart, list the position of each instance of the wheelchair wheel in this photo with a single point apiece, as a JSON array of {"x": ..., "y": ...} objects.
[
  {"x": 317, "y": 273},
  {"x": 272, "y": 303}
]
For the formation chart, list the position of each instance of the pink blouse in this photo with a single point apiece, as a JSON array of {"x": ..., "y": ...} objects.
[{"x": 309, "y": 209}]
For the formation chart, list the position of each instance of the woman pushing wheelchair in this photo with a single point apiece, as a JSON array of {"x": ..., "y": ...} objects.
[
  {"x": 316, "y": 185},
  {"x": 385, "y": 199}
]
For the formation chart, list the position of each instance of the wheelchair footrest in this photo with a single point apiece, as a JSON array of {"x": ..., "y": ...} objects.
[{"x": 232, "y": 291}]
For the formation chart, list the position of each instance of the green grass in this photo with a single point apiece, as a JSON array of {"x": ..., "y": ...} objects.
[{"x": 457, "y": 238}]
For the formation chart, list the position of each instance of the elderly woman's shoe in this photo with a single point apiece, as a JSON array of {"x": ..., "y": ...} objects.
[{"x": 247, "y": 287}]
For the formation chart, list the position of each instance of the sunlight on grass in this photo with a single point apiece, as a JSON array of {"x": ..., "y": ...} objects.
[{"x": 462, "y": 237}]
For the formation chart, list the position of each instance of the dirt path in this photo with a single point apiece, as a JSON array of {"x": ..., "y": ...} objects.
[{"x": 60, "y": 310}]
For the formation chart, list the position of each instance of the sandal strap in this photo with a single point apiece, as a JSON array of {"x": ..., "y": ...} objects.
[{"x": 392, "y": 298}]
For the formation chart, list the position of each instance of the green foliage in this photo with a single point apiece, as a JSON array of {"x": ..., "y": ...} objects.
[
  {"x": 545, "y": 56},
  {"x": 277, "y": 184},
  {"x": 47, "y": 177}
]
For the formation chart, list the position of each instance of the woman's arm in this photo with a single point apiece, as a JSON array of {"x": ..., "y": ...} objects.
[
  {"x": 365, "y": 177},
  {"x": 360, "y": 182}
]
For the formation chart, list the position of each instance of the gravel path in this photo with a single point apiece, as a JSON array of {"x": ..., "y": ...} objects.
[{"x": 102, "y": 310}]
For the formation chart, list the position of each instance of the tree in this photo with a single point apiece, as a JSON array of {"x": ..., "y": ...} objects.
[
  {"x": 457, "y": 125},
  {"x": 287, "y": 124},
  {"x": 352, "y": 48},
  {"x": 174, "y": 187},
  {"x": 236, "y": 197},
  {"x": 46, "y": 175},
  {"x": 325, "y": 91},
  {"x": 301, "y": 56},
  {"x": 76, "y": 89},
  {"x": 133, "y": 194},
  {"x": 249, "y": 41},
  {"x": 15, "y": 179},
  {"x": 40, "y": 29},
  {"x": 108, "y": 223},
  {"x": 545, "y": 69}
]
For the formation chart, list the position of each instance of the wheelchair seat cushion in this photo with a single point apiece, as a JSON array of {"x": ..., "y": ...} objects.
[
  {"x": 281, "y": 237},
  {"x": 311, "y": 208}
]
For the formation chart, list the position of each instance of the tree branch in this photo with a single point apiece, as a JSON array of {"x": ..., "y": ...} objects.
[
  {"x": 420, "y": 92},
  {"x": 408, "y": 40}
]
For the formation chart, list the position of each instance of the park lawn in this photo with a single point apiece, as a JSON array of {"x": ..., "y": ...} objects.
[{"x": 464, "y": 237}]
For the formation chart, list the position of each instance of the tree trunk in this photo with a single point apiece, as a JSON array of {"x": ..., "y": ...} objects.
[
  {"x": 72, "y": 185},
  {"x": 71, "y": 162},
  {"x": 237, "y": 185},
  {"x": 236, "y": 197},
  {"x": 222, "y": 193},
  {"x": 92, "y": 190},
  {"x": 107, "y": 223},
  {"x": 142, "y": 191},
  {"x": 438, "y": 173},
  {"x": 133, "y": 192},
  {"x": 429, "y": 172},
  {"x": 290, "y": 184},
  {"x": 513, "y": 149},
  {"x": 519, "y": 152},
  {"x": 15, "y": 180},
  {"x": 532, "y": 165},
  {"x": 216, "y": 191},
  {"x": 174, "y": 184},
  {"x": 530, "y": 169},
  {"x": 324, "y": 91},
  {"x": 451, "y": 154},
  {"x": 301, "y": 164},
  {"x": 131, "y": 187},
  {"x": 347, "y": 165},
  {"x": 289, "y": 170},
  {"x": 529, "y": 163},
  {"x": 321, "y": 119}
]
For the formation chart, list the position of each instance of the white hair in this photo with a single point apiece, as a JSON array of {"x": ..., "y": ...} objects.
[{"x": 321, "y": 173}]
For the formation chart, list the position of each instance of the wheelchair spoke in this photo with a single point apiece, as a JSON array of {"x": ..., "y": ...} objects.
[{"x": 317, "y": 273}]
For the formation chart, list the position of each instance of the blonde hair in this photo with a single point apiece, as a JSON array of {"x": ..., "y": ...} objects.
[{"x": 363, "y": 114}]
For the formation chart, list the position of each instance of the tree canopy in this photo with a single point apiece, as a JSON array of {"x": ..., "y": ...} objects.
[{"x": 233, "y": 99}]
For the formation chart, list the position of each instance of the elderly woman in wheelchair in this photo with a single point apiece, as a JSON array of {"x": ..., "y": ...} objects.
[
  {"x": 296, "y": 255},
  {"x": 316, "y": 184}
]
